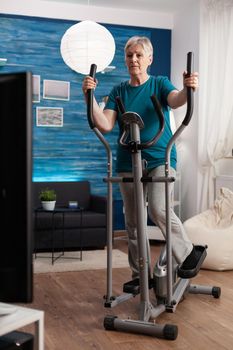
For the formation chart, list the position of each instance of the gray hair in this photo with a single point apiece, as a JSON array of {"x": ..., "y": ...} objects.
[{"x": 140, "y": 40}]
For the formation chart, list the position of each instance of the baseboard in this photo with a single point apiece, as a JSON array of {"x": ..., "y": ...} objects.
[
  {"x": 153, "y": 232},
  {"x": 120, "y": 234}
]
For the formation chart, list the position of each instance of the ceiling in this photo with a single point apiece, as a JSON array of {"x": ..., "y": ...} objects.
[{"x": 168, "y": 6}]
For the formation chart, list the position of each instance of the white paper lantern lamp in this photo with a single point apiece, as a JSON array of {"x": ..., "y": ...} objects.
[{"x": 86, "y": 43}]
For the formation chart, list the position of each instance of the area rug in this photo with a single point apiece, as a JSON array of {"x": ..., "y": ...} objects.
[{"x": 91, "y": 260}]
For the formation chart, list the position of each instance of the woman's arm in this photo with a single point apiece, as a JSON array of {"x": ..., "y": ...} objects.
[
  {"x": 104, "y": 120},
  {"x": 177, "y": 98}
]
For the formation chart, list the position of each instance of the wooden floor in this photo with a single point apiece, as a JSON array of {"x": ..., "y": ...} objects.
[{"x": 74, "y": 312}]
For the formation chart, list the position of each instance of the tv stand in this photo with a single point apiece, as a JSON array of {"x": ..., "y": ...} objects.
[
  {"x": 7, "y": 309},
  {"x": 21, "y": 317}
]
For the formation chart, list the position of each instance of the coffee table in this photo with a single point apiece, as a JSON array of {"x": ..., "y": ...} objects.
[{"x": 60, "y": 210}]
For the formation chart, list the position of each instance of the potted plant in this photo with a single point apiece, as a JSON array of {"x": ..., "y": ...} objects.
[{"x": 48, "y": 198}]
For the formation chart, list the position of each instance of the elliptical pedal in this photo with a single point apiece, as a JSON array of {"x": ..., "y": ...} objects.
[
  {"x": 133, "y": 286},
  {"x": 184, "y": 273}
]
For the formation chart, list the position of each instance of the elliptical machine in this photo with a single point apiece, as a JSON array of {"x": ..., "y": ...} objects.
[{"x": 170, "y": 281}]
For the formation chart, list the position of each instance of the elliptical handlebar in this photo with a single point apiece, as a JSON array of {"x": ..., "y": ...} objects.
[
  {"x": 90, "y": 95},
  {"x": 155, "y": 102},
  {"x": 189, "y": 110},
  {"x": 188, "y": 116},
  {"x": 159, "y": 112},
  {"x": 120, "y": 105}
]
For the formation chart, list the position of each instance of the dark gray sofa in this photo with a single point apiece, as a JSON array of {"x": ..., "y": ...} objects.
[{"x": 94, "y": 234}]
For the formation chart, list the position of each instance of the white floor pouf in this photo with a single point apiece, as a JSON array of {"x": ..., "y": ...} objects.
[{"x": 214, "y": 228}]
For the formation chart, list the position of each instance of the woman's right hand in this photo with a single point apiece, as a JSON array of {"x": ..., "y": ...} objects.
[{"x": 88, "y": 83}]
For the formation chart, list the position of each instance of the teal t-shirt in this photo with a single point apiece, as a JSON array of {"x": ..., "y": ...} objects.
[{"x": 137, "y": 99}]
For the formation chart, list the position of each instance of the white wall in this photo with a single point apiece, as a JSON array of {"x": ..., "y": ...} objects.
[
  {"x": 70, "y": 11},
  {"x": 185, "y": 38}
]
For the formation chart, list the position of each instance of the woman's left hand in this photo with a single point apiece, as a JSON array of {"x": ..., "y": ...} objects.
[{"x": 191, "y": 80}]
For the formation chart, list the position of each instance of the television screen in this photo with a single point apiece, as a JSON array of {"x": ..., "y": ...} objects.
[{"x": 16, "y": 272}]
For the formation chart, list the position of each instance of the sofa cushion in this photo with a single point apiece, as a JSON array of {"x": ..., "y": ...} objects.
[{"x": 71, "y": 220}]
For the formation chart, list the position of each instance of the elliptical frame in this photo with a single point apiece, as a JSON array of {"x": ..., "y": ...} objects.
[{"x": 174, "y": 294}]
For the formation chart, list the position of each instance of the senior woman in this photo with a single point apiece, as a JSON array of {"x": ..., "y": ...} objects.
[{"x": 135, "y": 94}]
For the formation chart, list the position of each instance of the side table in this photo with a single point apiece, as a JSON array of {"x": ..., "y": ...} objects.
[
  {"x": 60, "y": 210},
  {"x": 21, "y": 317}
]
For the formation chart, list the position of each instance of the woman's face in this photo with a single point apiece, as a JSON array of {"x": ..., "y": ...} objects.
[{"x": 137, "y": 60}]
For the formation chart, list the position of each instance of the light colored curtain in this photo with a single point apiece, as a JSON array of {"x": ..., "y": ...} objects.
[{"x": 216, "y": 92}]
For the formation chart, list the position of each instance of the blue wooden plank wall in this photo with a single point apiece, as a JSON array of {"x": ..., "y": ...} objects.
[{"x": 71, "y": 152}]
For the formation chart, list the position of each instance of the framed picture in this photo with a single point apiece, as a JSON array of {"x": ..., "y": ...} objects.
[
  {"x": 56, "y": 90},
  {"x": 36, "y": 88},
  {"x": 49, "y": 116}
]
